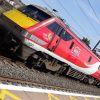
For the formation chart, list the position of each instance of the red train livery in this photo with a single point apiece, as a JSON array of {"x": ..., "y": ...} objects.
[{"x": 44, "y": 41}]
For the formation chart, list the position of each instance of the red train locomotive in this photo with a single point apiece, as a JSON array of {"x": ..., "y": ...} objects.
[{"x": 46, "y": 42}]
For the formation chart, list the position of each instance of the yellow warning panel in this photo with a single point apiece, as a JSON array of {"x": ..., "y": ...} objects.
[{"x": 20, "y": 18}]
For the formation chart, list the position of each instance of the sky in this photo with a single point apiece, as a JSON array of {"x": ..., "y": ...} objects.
[{"x": 83, "y": 16}]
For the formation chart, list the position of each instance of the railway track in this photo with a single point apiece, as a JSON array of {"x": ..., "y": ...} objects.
[
  {"x": 18, "y": 74},
  {"x": 6, "y": 80}
]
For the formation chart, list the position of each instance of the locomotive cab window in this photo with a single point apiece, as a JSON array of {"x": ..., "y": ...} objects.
[
  {"x": 54, "y": 27},
  {"x": 57, "y": 29},
  {"x": 34, "y": 13}
]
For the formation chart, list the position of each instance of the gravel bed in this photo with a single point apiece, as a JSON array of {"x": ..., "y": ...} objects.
[{"x": 12, "y": 70}]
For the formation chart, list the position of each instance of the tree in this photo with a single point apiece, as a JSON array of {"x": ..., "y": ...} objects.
[{"x": 86, "y": 41}]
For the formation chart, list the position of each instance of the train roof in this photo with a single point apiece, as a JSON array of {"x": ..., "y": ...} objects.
[{"x": 45, "y": 10}]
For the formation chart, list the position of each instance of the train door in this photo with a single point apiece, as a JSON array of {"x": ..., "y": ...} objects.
[
  {"x": 66, "y": 44},
  {"x": 61, "y": 41},
  {"x": 56, "y": 30}
]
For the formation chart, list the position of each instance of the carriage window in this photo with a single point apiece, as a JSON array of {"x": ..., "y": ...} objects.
[
  {"x": 66, "y": 36},
  {"x": 90, "y": 58}
]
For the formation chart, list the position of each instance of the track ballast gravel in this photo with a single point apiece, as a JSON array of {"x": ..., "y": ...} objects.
[{"x": 21, "y": 72}]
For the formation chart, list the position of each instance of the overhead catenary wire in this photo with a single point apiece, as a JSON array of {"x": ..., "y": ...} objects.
[
  {"x": 86, "y": 17},
  {"x": 49, "y": 6},
  {"x": 93, "y": 11},
  {"x": 70, "y": 16}
]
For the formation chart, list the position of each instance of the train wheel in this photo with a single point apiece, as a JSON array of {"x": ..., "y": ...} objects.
[
  {"x": 30, "y": 62},
  {"x": 91, "y": 81},
  {"x": 41, "y": 67},
  {"x": 34, "y": 60},
  {"x": 85, "y": 80}
]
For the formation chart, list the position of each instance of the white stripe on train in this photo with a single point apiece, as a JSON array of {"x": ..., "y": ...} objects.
[{"x": 91, "y": 70}]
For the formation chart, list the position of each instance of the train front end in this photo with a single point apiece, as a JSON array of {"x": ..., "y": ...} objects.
[{"x": 14, "y": 26}]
